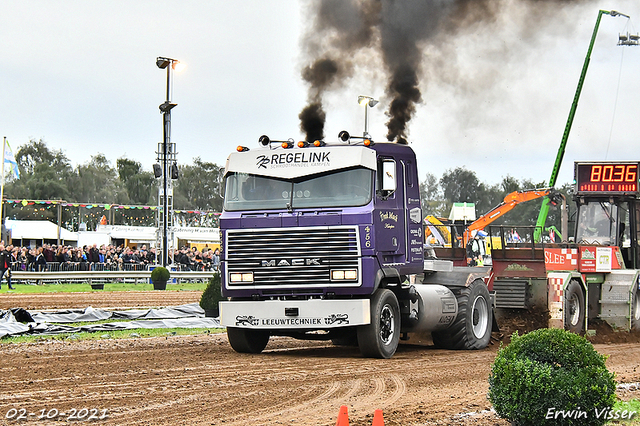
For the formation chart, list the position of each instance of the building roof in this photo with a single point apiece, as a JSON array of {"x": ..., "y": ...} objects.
[{"x": 38, "y": 230}]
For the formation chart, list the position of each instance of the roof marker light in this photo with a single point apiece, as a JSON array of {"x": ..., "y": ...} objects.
[
  {"x": 319, "y": 143},
  {"x": 241, "y": 148}
]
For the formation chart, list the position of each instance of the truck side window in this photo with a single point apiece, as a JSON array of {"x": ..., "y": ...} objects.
[{"x": 386, "y": 178}]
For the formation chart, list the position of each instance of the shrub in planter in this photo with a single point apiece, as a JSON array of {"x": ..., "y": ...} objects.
[
  {"x": 159, "y": 277},
  {"x": 211, "y": 295},
  {"x": 551, "y": 377}
]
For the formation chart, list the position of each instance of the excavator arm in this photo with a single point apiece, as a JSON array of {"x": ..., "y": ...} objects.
[{"x": 509, "y": 202}]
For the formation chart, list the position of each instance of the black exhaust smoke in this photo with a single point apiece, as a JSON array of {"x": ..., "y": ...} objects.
[
  {"x": 320, "y": 76},
  {"x": 400, "y": 31},
  {"x": 312, "y": 120}
]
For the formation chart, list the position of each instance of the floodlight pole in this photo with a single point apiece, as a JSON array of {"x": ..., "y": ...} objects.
[
  {"x": 165, "y": 109},
  {"x": 367, "y": 102},
  {"x": 544, "y": 208}
]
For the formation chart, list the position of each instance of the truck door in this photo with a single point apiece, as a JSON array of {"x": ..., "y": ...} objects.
[
  {"x": 389, "y": 215},
  {"x": 413, "y": 214}
]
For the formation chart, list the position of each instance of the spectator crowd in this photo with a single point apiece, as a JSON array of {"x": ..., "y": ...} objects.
[{"x": 104, "y": 257}]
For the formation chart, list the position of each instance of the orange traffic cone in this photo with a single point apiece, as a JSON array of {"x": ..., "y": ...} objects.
[
  {"x": 343, "y": 417},
  {"x": 378, "y": 420}
]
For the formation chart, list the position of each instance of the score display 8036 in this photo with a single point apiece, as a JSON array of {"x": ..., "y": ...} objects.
[{"x": 607, "y": 177}]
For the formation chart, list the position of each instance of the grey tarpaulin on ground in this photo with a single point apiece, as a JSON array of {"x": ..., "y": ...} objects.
[{"x": 36, "y": 322}]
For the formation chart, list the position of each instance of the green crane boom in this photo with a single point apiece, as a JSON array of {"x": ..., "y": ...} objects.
[{"x": 544, "y": 209}]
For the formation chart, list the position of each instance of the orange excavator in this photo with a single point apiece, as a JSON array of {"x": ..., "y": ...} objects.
[{"x": 510, "y": 201}]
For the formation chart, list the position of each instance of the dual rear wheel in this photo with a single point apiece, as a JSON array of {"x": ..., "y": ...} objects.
[{"x": 472, "y": 327}]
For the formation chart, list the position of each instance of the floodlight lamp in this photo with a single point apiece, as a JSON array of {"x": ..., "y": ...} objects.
[
  {"x": 177, "y": 66},
  {"x": 167, "y": 106},
  {"x": 162, "y": 63},
  {"x": 367, "y": 101}
]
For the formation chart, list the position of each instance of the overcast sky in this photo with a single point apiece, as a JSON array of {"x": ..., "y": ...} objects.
[{"x": 81, "y": 75}]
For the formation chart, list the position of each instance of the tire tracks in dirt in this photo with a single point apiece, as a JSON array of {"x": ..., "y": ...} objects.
[{"x": 199, "y": 380}]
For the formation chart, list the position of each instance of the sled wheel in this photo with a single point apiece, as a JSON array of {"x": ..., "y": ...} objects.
[
  {"x": 574, "y": 308},
  {"x": 380, "y": 338},
  {"x": 472, "y": 327},
  {"x": 246, "y": 340}
]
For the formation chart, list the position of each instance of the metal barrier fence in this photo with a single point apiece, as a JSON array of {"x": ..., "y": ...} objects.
[
  {"x": 113, "y": 266},
  {"x": 58, "y": 274}
]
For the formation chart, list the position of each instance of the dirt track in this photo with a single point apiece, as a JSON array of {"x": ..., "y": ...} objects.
[
  {"x": 98, "y": 299},
  {"x": 200, "y": 380}
]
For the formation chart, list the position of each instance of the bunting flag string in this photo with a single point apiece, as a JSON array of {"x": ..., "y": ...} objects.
[{"x": 105, "y": 206}]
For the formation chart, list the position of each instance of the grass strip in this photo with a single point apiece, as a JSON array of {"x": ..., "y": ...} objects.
[
  {"x": 86, "y": 287},
  {"x": 631, "y": 406},
  {"x": 136, "y": 333}
]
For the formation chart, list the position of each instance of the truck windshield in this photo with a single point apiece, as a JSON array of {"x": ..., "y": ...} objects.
[
  {"x": 345, "y": 188},
  {"x": 597, "y": 223}
]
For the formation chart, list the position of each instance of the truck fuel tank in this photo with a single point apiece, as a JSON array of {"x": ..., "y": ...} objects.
[{"x": 436, "y": 306}]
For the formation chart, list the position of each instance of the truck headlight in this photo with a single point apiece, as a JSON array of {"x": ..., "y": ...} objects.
[
  {"x": 344, "y": 275},
  {"x": 245, "y": 277}
]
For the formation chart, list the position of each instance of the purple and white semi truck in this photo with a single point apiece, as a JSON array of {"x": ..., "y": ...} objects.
[{"x": 325, "y": 241}]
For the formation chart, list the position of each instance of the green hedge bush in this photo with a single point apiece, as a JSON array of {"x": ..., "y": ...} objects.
[
  {"x": 159, "y": 274},
  {"x": 212, "y": 294},
  {"x": 551, "y": 377}
]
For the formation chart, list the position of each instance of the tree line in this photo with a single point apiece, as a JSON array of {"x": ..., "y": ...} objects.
[
  {"x": 47, "y": 174},
  {"x": 462, "y": 185}
]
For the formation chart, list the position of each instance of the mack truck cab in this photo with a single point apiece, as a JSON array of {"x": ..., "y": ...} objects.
[{"x": 325, "y": 241}]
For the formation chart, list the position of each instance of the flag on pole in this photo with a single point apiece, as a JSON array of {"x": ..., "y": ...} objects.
[{"x": 11, "y": 160}]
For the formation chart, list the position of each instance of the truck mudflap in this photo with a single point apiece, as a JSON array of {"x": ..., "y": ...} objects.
[
  {"x": 456, "y": 276},
  {"x": 295, "y": 314}
]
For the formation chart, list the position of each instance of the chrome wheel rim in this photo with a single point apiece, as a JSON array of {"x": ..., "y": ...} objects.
[
  {"x": 480, "y": 317},
  {"x": 387, "y": 324}
]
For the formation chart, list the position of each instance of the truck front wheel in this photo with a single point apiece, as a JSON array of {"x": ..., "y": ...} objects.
[
  {"x": 574, "y": 308},
  {"x": 380, "y": 338},
  {"x": 246, "y": 340},
  {"x": 472, "y": 327}
]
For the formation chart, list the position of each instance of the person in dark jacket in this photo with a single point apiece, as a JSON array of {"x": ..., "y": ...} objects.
[
  {"x": 40, "y": 261},
  {"x": 5, "y": 265},
  {"x": 48, "y": 254}
]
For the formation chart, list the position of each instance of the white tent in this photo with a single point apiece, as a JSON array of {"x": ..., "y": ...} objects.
[{"x": 38, "y": 231}]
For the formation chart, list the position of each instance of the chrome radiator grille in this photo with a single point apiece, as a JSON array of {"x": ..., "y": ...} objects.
[{"x": 300, "y": 257}]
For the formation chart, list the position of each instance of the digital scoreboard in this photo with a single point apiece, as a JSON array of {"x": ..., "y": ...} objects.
[{"x": 606, "y": 177}]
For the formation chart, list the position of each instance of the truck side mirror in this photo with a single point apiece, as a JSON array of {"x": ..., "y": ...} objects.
[{"x": 387, "y": 179}]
